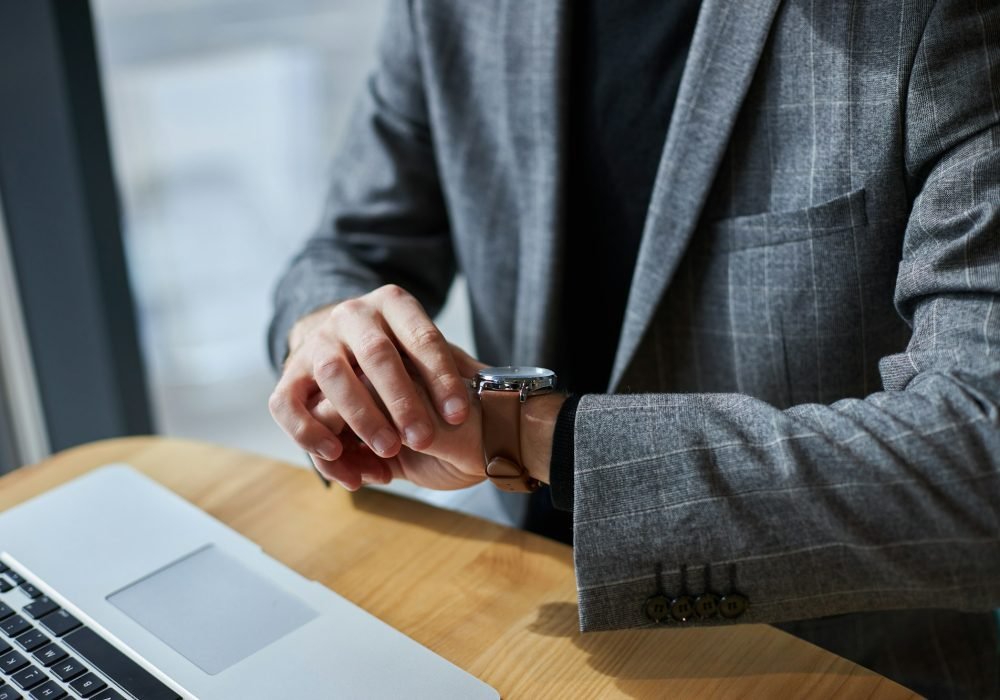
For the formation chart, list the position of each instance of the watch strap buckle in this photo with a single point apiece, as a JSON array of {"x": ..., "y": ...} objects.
[{"x": 510, "y": 476}]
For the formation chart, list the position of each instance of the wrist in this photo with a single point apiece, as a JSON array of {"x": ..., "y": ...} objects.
[{"x": 538, "y": 423}]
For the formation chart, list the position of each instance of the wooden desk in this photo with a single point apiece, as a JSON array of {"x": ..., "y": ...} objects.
[{"x": 498, "y": 602}]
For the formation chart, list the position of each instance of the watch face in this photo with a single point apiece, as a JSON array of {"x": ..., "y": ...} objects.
[
  {"x": 515, "y": 373},
  {"x": 526, "y": 380}
]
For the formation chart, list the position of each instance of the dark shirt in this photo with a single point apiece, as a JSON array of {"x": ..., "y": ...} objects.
[{"x": 626, "y": 60}]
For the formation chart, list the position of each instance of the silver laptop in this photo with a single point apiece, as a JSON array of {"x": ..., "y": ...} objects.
[{"x": 112, "y": 586}]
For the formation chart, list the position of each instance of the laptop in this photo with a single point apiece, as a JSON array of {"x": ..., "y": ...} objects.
[{"x": 112, "y": 586}]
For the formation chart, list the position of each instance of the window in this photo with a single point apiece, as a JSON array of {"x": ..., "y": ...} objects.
[{"x": 224, "y": 118}]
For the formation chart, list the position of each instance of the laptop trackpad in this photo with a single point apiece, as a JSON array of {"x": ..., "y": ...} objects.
[{"x": 211, "y": 609}]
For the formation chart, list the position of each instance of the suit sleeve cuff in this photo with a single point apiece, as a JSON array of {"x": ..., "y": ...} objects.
[{"x": 561, "y": 466}]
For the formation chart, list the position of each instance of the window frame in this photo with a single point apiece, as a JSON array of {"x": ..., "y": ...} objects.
[{"x": 63, "y": 224}]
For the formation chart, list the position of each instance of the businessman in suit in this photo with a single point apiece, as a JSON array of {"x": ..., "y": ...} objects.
[{"x": 761, "y": 242}]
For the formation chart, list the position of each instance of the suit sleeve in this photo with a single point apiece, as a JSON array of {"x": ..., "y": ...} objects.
[
  {"x": 384, "y": 219},
  {"x": 886, "y": 502}
]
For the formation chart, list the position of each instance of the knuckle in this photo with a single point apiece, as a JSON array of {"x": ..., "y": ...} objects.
[
  {"x": 300, "y": 432},
  {"x": 375, "y": 347},
  {"x": 323, "y": 410},
  {"x": 391, "y": 292},
  {"x": 277, "y": 403},
  {"x": 426, "y": 337},
  {"x": 330, "y": 369},
  {"x": 359, "y": 417},
  {"x": 447, "y": 382},
  {"x": 403, "y": 406},
  {"x": 348, "y": 307}
]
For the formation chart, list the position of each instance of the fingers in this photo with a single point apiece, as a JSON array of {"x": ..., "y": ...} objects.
[
  {"x": 357, "y": 464},
  {"x": 382, "y": 332},
  {"x": 427, "y": 350},
  {"x": 338, "y": 472},
  {"x": 289, "y": 408},
  {"x": 382, "y": 336},
  {"x": 356, "y": 467},
  {"x": 326, "y": 414},
  {"x": 380, "y": 361},
  {"x": 323, "y": 364},
  {"x": 339, "y": 382}
]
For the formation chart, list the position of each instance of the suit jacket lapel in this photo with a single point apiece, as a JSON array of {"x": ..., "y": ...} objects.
[
  {"x": 537, "y": 71},
  {"x": 727, "y": 44}
]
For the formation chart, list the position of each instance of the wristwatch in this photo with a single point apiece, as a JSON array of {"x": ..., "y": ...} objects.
[{"x": 502, "y": 391}]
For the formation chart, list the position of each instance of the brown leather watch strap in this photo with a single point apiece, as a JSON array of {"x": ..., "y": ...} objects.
[{"x": 502, "y": 441}]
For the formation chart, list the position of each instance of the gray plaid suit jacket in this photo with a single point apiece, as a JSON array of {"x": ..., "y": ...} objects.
[{"x": 806, "y": 395}]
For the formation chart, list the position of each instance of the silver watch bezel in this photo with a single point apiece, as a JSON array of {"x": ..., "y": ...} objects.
[{"x": 527, "y": 381}]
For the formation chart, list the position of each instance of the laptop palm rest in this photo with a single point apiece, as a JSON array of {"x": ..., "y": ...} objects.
[{"x": 211, "y": 609}]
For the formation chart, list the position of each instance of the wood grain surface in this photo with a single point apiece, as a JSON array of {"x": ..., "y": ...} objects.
[{"x": 497, "y": 602}]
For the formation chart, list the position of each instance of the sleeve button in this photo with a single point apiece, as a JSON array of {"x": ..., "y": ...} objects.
[
  {"x": 706, "y": 605},
  {"x": 657, "y": 608},
  {"x": 732, "y": 605},
  {"x": 682, "y": 608}
]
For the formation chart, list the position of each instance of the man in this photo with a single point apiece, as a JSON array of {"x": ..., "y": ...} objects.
[{"x": 803, "y": 373}]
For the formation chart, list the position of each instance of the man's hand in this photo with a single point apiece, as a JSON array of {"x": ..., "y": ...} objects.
[
  {"x": 454, "y": 460},
  {"x": 381, "y": 336}
]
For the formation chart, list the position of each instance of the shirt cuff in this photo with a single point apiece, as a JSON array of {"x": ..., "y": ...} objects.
[{"x": 561, "y": 466}]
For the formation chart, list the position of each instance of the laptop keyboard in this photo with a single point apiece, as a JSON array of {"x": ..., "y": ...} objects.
[{"x": 47, "y": 654}]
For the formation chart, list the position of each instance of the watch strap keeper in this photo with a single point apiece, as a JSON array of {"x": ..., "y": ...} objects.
[{"x": 502, "y": 442}]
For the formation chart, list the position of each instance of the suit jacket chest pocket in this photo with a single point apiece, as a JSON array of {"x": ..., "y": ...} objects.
[
  {"x": 774, "y": 229},
  {"x": 776, "y": 303}
]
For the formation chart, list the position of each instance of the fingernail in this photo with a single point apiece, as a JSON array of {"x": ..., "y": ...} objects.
[
  {"x": 417, "y": 433},
  {"x": 384, "y": 441},
  {"x": 453, "y": 406},
  {"x": 328, "y": 450}
]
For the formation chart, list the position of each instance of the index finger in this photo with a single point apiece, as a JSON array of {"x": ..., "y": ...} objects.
[{"x": 430, "y": 354}]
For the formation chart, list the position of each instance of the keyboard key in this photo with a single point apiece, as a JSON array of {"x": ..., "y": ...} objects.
[
  {"x": 11, "y": 662},
  {"x": 29, "y": 677},
  {"x": 42, "y": 606},
  {"x": 29, "y": 590},
  {"x": 14, "y": 577},
  {"x": 87, "y": 684},
  {"x": 5, "y": 585},
  {"x": 5, "y": 611},
  {"x": 13, "y": 626},
  {"x": 68, "y": 669},
  {"x": 58, "y": 623},
  {"x": 106, "y": 694},
  {"x": 49, "y": 654},
  {"x": 3, "y": 567},
  {"x": 4, "y": 648},
  {"x": 8, "y": 693},
  {"x": 31, "y": 640},
  {"x": 118, "y": 667},
  {"x": 49, "y": 690}
]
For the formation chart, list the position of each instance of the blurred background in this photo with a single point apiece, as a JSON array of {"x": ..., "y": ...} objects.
[{"x": 222, "y": 118}]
